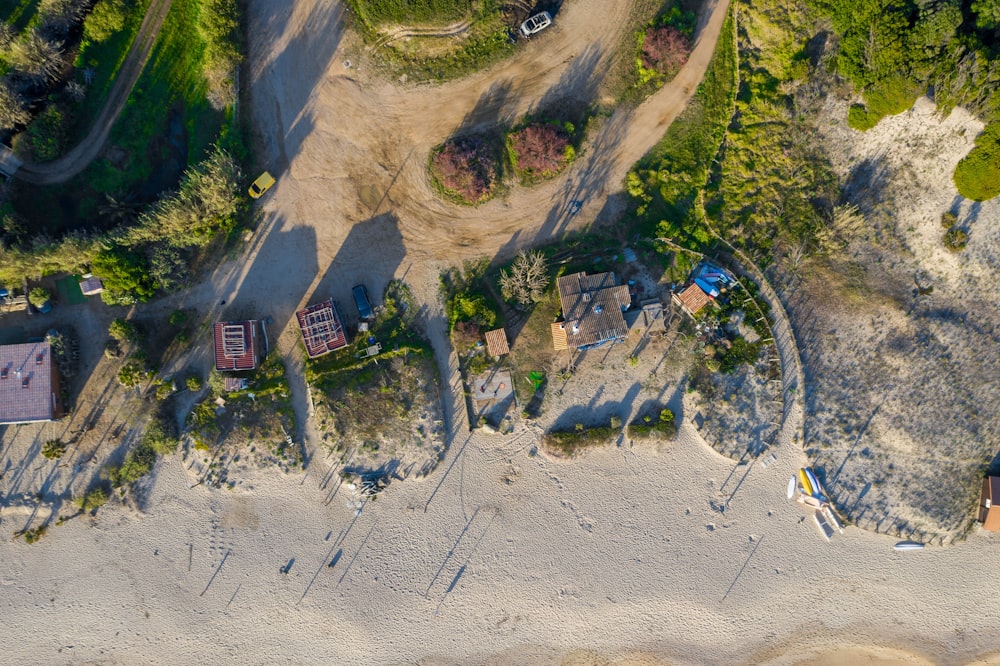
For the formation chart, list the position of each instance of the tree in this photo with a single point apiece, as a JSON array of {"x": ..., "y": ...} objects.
[
  {"x": 526, "y": 281},
  {"x": 106, "y": 18},
  {"x": 124, "y": 331},
  {"x": 987, "y": 14},
  {"x": 467, "y": 167},
  {"x": 13, "y": 108},
  {"x": 125, "y": 274},
  {"x": 540, "y": 150},
  {"x": 977, "y": 176},
  {"x": 664, "y": 49},
  {"x": 37, "y": 56}
]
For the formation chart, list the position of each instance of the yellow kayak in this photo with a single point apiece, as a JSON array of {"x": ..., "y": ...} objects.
[{"x": 804, "y": 482}]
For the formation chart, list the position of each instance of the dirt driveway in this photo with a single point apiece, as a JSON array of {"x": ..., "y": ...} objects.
[{"x": 353, "y": 203}]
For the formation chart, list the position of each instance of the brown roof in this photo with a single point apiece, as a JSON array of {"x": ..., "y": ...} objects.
[
  {"x": 559, "y": 336},
  {"x": 989, "y": 516},
  {"x": 235, "y": 345},
  {"x": 592, "y": 307},
  {"x": 235, "y": 383},
  {"x": 29, "y": 386},
  {"x": 496, "y": 343},
  {"x": 692, "y": 299},
  {"x": 322, "y": 328}
]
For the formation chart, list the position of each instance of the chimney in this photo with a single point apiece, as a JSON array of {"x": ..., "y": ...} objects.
[
  {"x": 38, "y": 359},
  {"x": 24, "y": 382},
  {"x": 4, "y": 372}
]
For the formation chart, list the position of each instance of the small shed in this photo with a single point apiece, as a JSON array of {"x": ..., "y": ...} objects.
[
  {"x": 691, "y": 299},
  {"x": 91, "y": 286},
  {"x": 559, "y": 341},
  {"x": 236, "y": 383},
  {"x": 989, "y": 512},
  {"x": 496, "y": 343}
]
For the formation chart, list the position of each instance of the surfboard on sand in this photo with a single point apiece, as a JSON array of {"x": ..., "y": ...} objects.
[
  {"x": 817, "y": 489},
  {"x": 804, "y": 482},
  {"x": 791, "y": 487},
  {"x": 908, "y": 545}
]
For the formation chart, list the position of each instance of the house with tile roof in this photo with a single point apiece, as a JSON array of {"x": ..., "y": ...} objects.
[
  {"x": 29, "y": 384},
  {"x": 237, "y": 345}
]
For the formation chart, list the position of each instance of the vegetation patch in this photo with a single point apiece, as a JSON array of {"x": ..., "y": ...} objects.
[
  {"x": 251, "y": 426},
  {"x": 466, "y": 169},
  {"x": 470, "y": 307},
  {"x": 663, "y": 47},
  {"x": 977, "y": 176},
  {"x": 658, "y": 423},
  {"x": 666, "y": 185},
  {"x": 436, "y": 39},
  {"x": 569, "y": 443},
  {"x": 539, "y": 150},
  {"x": 381, "y": 412}
]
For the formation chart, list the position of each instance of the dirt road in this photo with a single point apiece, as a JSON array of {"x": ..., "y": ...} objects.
[{"x": 77, "y": 159}]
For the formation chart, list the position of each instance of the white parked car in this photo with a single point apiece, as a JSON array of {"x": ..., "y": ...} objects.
[{"x": 536, "y": 24}]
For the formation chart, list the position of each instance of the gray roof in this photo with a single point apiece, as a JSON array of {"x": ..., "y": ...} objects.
[
  {"x": 26, "y": 388},
  {"x": 592, "y": 306}
]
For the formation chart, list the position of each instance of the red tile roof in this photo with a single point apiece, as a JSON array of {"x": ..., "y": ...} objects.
[
  {"x": 235, "y": 345},
  {"x": 496, "y": 343},
  {"x": 29, "y": 390},
  {"x": 235, "y": 383},
  {"x": 322, "y": 328},
  {"x": 693, "y": 298}
]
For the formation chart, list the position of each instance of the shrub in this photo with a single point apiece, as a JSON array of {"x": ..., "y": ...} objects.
[
  {"x": 977, "y": 176},
  {"x": 125, "y": 274},
  {"x": 106, "y": 18},
  {"x": 740, "y": 353},
  {"x": 664, "y": 49},
  {"x": 662, "y": 425},
  {"x": 470, "y": 307},
  {"x": 124, "y": 331},
  {"x": 467, "y": 168},
  {"x": 193, "y": 383},
  {"x": 46, "y": 134},
  {"x": 160, "y": 437},
  {"x": 137, "y": 464},
  {"x": 860, "y": 119},
  {"x": 571, "y": 442},
  {"x": 54, "y": 449},
  {"x": 956, "y": 239},
  {"x": 948, "y": 220},
  {"x": 539, "y": 150},
  {"x": 39, "y": 296},
  {"x": 177, "y": 318},
  {"x": 34, "y": 534},
  {"x": 93, "y": 499}
]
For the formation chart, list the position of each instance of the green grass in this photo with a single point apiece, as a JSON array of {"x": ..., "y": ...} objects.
[
  {"x": 103, "y": 59},
  {"x": 375, "y": 13},
  {"x": 18, "y": 13},
  {"x": 664, "y": 185}
]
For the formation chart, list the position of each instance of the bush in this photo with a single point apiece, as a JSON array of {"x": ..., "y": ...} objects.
[
  {"x": 125, "y": 274},
  {"x": 193, "y": 383},
  {"x": 663, "y": 425},
  {"x": 948, "y": 220},
  {"x": 540, "y": 151},
  {"x": 137, "y": 464},
  {"x": 131, "y": 374},
  {"x": 177, "y": 318},
  {"x": 466, "y": 168},
  {"x": 124, "y": 331},
  {"x": 956, "y": 240},
  {"x": 93, "y": 499},
  {"x": 859, "y": 118},
  {"x": 106, "y": 18},
  {"x": 977, "y": 176},
  {"x": 54, "y": 449},
  {"x": 470, "y": 307},
  {"x": 38, "y": 297},
  {"x": 740, "y": 353},
  {"x": 664, "y": 50},
  {"x": 34, "y": 534},
  {"x": 46, "y": 134},
  {"x": 572, "y": 442}
]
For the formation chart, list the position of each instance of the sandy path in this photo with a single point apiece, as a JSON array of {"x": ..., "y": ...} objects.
[{"x": 77, "y": 159}]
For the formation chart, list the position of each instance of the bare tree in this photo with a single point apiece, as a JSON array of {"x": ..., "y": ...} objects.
[
  {"x": 37, "y": 56},
  {"x": 525, "y": 283},
  {"x": 13, "y": 110}
]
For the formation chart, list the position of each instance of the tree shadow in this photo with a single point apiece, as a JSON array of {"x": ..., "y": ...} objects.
[{"x": 287, "y": 68}]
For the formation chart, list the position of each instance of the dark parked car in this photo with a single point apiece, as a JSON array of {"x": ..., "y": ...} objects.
[{"x": 362, "y": 301}]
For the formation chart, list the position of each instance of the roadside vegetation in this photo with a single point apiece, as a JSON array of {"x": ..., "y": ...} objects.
[
  {"x": 539, "y": 149},
  {"x": 169, "y": 184},
  {"x": 444, "y": 39}
]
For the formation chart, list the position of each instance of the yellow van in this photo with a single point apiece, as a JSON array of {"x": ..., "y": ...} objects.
[{"x": 262, "y": 184}]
